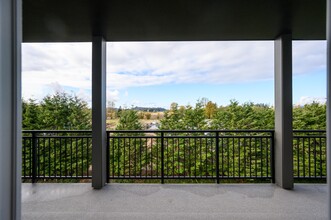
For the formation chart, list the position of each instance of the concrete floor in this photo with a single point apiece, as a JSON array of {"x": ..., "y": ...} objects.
[{"x": 170, "y": 201}]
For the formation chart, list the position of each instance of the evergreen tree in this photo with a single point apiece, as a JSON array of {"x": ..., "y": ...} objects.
[
  {"x": 64, "y": 111},
  {"x": 129, "y": 120},
  {"x": 30, "y": 115}
]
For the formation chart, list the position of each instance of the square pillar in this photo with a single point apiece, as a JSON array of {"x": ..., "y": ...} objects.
[
  {"x": 283, "y": 112},
  {"x": 10, "y": 109},
  {"x": 328, "y": 107},
  {"x": 99, "y": 137}
]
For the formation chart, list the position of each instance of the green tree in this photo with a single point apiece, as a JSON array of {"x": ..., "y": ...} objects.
[
  {"x": 184, "y": 118},
  {"x": 194, "y": 117},
  {"x": 64, "y": 111},
  {"x": 173, "y": 118},
  {"x": 310, "y": 116},
  {"x": 129, "y": 120},
  {"x": 30, "y": 115},
  {"x": 245, "y": 116}
]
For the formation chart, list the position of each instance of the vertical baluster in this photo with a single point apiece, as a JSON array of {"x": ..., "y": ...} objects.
[
  {"x": 34, "y": 157},
  {"x": 217, "y": 159},
  {"x": 162, "y": 157}
]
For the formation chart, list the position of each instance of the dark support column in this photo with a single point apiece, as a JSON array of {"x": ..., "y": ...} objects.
[
  {"x": 10, "y": 109},
  {"x": 99, "y": 175},
  {"x": 328, "y": 117},
  {"x": 283, "y": 112}
]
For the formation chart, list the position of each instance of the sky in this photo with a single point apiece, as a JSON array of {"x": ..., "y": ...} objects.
[{"x": 155, "y": 74}]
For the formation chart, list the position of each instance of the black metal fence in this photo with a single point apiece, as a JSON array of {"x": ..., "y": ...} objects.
[
  {"x": 213, "y": 155},
  {"x": 56, "y": 155},
  {"x": 309, "y": 154},
  {"x": 166, "y": 155}
]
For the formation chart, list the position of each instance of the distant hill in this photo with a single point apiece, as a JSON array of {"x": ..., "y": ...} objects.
[{"x": 149, "y": 109}]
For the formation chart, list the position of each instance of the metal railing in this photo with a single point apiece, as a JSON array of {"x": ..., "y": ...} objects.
[
  {"x": 209, "y": 154},
  {"x": 309, "y": 154},
  {"x": 171, "y": 155},
  {"x": 56, "y": 155}
]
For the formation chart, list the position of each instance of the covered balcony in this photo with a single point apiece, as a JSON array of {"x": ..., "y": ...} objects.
[
  {"x": 276, "y": 157},
  {"x": 227, "y": 174}
]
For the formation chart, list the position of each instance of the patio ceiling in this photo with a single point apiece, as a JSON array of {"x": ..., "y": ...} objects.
[{"x": 168, "y": 20}]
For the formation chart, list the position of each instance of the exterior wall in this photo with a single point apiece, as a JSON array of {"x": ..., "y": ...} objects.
[{"x": 10, "y": 109}]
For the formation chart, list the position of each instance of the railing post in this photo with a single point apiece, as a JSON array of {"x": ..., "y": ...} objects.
[
  {"x": 162, "y": 157},
  {"x": 34, "y": 157},
  {"x": 107, "y": 157},
  {"x": 217, "y": 158},
  {"x": 272, "y": 154}
]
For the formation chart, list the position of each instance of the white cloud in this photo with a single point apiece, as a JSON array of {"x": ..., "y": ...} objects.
[
  {"x": 113, "y": 95},
  {"x": 132, "y": 64},
  {"x": 136, "y": 64},
  {"x": 304, "y": 100},
  {"x": 309, "y": 56},
  {"x": 85, "y": 95},
  {"x": 68, "y": 65}
]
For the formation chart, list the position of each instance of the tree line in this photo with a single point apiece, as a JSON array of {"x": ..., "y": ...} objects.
[
  {"x": 234, "y": 116},
  {"x": 63, "y": 111}
]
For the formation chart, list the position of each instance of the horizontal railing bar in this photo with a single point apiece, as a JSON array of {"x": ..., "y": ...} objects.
[
  {"x": 186, "y": 131},
  {"x": 259, "y": 136},
  {"x": 187, "y": 177},
  {"x": 57, "y": 131},
  {"x": 310, "y": 136},
  {"x": 309, "y": 178},
  {"x": 119, "y": 137},
  {"x": 158, "y": 131},
  {"x": 317, "y": 131},
  {"x": 58, "y": 177},
  {"x": 59, "y": 137},
  {"x": 192, "y": 137}
]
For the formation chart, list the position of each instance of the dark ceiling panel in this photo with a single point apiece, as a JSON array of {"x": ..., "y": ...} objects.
[{"x": 170, "y": 20}]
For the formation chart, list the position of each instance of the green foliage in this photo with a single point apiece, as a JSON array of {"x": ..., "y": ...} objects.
[
  {"x": 60, "y": 111},
  {"x": 173, "y": 118},
  {"x": 184, "y": 118},
  {"x": 194, "y": 118},
  {"x": 236, "y": 116},
  {"x": 311, "y": 116},
  {"x": 184, "y": 156},
  {"x": 245, "y": 116},
  {"x": 30, "y": 115},
  {"x": 129, "y": 120}
]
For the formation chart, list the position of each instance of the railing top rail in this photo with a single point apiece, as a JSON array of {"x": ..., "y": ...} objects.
[
  {"x": 57, "y": 131},
  {"x": 167, "y": 131}
]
